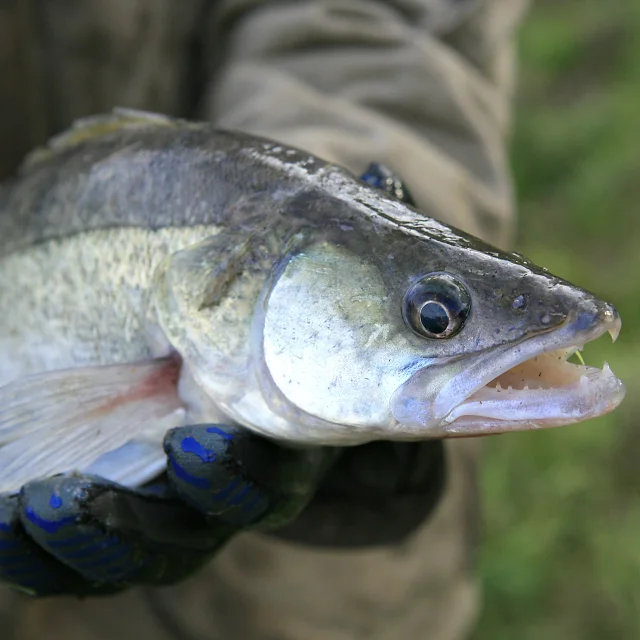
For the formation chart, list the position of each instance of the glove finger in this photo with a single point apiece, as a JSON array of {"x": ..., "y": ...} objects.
[
  {"x": 383, "y": 177},
  {"x": 377, "y": 494},
  {"x": 53, "y": 513},
  {"x": 110, "y": 535},
  {"x": 157, "y": 517},
  {"x": 27, "y": 567},
  {"x": 239, "y": 477},
  {"x": 203, "y": 466}
]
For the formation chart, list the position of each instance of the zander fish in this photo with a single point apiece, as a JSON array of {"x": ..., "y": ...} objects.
[{"x": 158, "y": 273}]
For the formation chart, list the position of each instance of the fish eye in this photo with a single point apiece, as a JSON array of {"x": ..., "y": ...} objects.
[{"x": 436, "y": 306}]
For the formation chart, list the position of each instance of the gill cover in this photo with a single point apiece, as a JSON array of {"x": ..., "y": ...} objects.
[{"x": 331, "y": 346}]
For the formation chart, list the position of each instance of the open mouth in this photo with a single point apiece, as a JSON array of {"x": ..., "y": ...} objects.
[{"x": 535, "y": 386}]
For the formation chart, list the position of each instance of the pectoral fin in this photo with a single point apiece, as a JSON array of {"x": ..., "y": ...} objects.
[
  {"x": 64, "y": 421},
  {"x": 134, "y": 463}
]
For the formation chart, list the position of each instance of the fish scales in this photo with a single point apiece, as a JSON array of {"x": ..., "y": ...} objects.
[{"x": 57, "y": 321}]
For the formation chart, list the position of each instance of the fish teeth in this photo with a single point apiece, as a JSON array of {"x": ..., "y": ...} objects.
[{"x": 614, "y": 322}]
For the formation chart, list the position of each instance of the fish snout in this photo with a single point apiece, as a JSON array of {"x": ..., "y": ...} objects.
[{"x": 592, "y": 317}]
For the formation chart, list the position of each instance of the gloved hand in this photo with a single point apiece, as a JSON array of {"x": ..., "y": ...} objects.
[
  {"x": 83, "y": 535},
  {"x": 75, "y": 534}
]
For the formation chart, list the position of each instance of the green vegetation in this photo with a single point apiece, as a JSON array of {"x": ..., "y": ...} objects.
[{"x": 561, "y": 557}]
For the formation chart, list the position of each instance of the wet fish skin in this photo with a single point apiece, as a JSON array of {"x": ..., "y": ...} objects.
[{"x": 278, "y": 278}]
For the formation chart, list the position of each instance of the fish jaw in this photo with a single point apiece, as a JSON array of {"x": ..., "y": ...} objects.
[{"x": 523, "y": 386}]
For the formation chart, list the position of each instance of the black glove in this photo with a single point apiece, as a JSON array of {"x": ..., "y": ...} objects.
[
  {"x": 83, "y": 535},
  {"x": 87, "y": 536},
  {"x": 376, "y": 494}
]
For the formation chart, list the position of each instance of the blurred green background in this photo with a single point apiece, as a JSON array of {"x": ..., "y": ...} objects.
[{"x": 561, "y": 556}]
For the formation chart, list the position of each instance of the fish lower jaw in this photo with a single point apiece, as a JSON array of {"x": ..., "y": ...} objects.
[{"x": 545, "y": 391}]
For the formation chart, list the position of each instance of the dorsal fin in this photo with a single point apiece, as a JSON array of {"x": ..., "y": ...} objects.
[{"x": 95, "y": 127}]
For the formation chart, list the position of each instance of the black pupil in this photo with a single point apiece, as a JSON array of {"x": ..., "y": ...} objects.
[{"x": 434, "y": 318}]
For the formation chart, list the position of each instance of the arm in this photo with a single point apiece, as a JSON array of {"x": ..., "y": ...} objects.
[{"x": 423, "y": 86}]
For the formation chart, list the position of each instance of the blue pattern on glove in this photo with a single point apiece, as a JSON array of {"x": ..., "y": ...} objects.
[
  {"x": 204, "y": 471},
  {"x": 54, "y": 517}
]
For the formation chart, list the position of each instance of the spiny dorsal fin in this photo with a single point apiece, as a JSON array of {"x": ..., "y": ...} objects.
[{"x": 94, "y": 127}]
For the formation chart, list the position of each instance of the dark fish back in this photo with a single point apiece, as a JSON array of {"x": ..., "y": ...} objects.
[{"x": 179, "y": 174}]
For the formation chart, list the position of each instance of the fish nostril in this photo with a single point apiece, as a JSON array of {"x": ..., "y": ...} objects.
[
  {"x": 609, "y": 313},
  {"x": 519, "y": 302}
]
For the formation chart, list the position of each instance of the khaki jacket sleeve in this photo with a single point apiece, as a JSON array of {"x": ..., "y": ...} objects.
[{"x": 425, "y": 87}]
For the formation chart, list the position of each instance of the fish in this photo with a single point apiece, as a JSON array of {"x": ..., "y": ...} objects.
[{"x": 158, "y": 272}]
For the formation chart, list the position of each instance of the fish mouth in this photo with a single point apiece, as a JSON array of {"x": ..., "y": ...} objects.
[
  {"x": 517, "y": 386},
  {"x": 532, "y": 385}
]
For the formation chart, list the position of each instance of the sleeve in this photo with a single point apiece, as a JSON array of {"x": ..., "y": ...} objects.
[{"x": 423, "y": 86}]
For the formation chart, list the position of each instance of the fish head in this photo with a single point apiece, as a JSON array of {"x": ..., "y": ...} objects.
[{"x": 410, "y": 329}]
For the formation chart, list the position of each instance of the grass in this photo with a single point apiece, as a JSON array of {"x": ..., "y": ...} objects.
[{"x": 561, "y": 556}]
